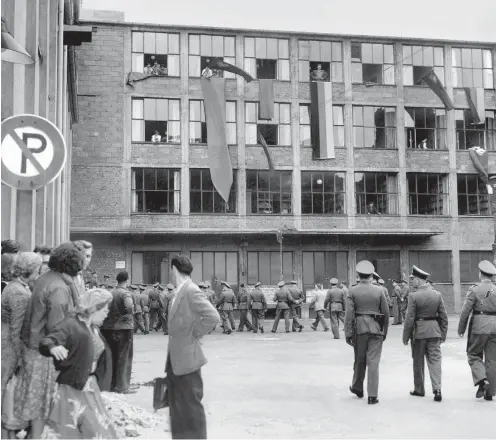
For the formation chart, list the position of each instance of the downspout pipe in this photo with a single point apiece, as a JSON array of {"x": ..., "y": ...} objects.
[{"x": 60, "y": 67}]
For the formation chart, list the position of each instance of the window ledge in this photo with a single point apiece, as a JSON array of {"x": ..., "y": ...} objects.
[
  {"x": 201, "y": 214},
  {"x": 427, "y": 149},
  {"x": 270, "y": 146},
  {"x": 324, "y": 215},
  {"x": 135, "y": 214},
  {"x": 375, "y": 149},
  {"x": 429, "y": 216},
  {"x": 157, "y": 76},
  {"x": 475, "y": 216},
  {"x": 204, "y": 144},
  {"x": 334, "y": 82},
  {"x": 378, "y": 215},
  {"x": 335, "y": 147},
  {"x": 463, "y": 88},
  {"x": 155, "y": 143},
  {"x": 274, "y": 214},
  {"x": 374, "y": 85}
]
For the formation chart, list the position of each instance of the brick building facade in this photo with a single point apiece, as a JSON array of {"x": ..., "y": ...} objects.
[{"x": 395, "y": 145}]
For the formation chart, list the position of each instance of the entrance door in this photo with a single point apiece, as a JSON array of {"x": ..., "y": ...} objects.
[
  {"x": 215, "y": 267},
  {"x": 386, "y": 264}
]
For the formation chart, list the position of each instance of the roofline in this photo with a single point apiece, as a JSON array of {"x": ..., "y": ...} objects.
[{"x": 280, "y": 32}]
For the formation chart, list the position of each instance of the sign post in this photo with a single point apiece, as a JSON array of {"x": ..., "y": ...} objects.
[{"x": 33, "y": 152}]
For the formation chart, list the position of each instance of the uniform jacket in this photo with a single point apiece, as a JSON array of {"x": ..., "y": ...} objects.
[
  {"x": 256, "y": 300},
  {"x": 154, "y": 299},
  {"x": 145, "y": 304},
  {"x": 138, "y": 302},
  {"x": 243, "y": 298},
  {"x": 424, "y": 303},
  {"x": 54, "y": 297},
  {"x": 163, "y": 298},
  {"x": 283, "y": 299},
  {"x": 479, "y": 300},
  {"x": 191, "y": 317},
  {"x": 319, "y": 301},
  {"x": 386, "y": 294},
  {"x": 121, "y": 309},
  {"x": 365, "y": 298},
  {"x": 297, "y": 296},
  {"x": 396, "y": 292},
  {"x": 212, "y": 297},
  {"x": 335, "y": 300},
  {"x": 405, "y": 291},
  {"x": 227, "y": 299}
]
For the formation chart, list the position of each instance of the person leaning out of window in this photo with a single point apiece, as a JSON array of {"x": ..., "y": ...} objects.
[{"x": 156, "y": 137}]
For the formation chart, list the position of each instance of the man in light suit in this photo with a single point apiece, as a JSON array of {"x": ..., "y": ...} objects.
[
  {"x": 318, "y": 303},
  {"x": 191, "y": 316}
]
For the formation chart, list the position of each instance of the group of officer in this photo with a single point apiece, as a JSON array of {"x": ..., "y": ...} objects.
[{"x": 425, "y": 328}]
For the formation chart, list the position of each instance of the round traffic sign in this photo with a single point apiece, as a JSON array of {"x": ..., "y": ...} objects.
[{"x": 33, "y": 152}]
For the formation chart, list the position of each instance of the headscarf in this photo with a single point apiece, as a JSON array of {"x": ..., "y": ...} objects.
[{"x": 93, "y": 300}]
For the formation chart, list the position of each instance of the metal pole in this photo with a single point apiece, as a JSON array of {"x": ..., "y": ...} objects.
[{"x": 280, "y": 254}]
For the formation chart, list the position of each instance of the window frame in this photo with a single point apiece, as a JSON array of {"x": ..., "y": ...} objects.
[
  {"x": 337, "y": 125},
  {"x": 233, "y": 198},
  {"x": 478, "y": 196},
  {"x": 413, "y": 54},
  {"x": 175, "y": 194},
  {"x": 427, "y": 263},
  {"x": 260, "y": 50},
  {"x": 472, "y": 270},
  {"x": 392, "y": 197},
  {"x": 249, "y": 136},
  {"x": 231, "y": 126},
  {"x": 326, "y": 48},
  {"x": 458, "y": 56},
  {"x": 209, "y": 50},
  {"x": 387, "y": 128},
  {"x": 442, "y": 197},
  {"x": 282, "y": 194},
  {"x": 436, "y": 129},
  {"x": 135, "y": 53},
  {"x": 488, "y": 133},
  {"x": 385, "y": 66},
  {"x": 272, "y": 255},
  {"x": 320, "y": 175}
]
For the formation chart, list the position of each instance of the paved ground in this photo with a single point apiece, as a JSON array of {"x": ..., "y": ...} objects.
[{"x": 296, "y": 386}]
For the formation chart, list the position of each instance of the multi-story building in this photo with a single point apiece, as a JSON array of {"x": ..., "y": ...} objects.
[{"x": 401, "y": 190}]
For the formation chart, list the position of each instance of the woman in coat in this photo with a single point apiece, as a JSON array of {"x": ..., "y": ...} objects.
[
  {"x": 54, "y": 297},
  {"x": 77, "y": 347}
]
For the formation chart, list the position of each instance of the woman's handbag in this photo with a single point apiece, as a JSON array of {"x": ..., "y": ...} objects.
[
  {"x": 9, "y": 421},
  {"x": 160, "y": 394}
]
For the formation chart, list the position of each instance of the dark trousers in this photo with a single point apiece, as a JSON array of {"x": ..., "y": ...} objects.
[
  {"x": 154, "y": 318},
  {"x": 138, "y": 322},
  {"x": 481, "y": 354},
  {"x": 280, "y": 312},
  {"x": 397, "y": 311},
  {"x": 257, "y": 317},
  {"x": 336, "y": 316},
  {"x": 295, "y": 312},
  {"x": 320, "y": 318},
  {"x": 162, "y": 322},
  {"x": 121, "y": 345},
  {"x": 368, "y": 349},
  {"x": 146, "y": 320},
  {"x": 244, "y": 321},
  {"x": 227, "y": 318},
  {"x": 187, "y": 415},
  {"x": 430, "y": 350}
]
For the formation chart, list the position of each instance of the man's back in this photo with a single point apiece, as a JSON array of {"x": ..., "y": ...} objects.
[
  {"x": 120, "y": 316},
  {"x": 227, "y": 299},
  {"x": 480, "y": 298}
]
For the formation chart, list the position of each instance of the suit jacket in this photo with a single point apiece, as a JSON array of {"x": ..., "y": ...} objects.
[
  {"x": 319, "y": 301},
  {"x": 424, "y": 303},
  {"x": 243, "y": 298},
  {"x": 121, "y": 309},
  {"x": 191, "y": 316},
  {"x": 365, "y": 298},
  {"x": 336, "y": 299},
  {"x": 256, "y": 300},
  {"x": 227, "y": 299},
  {"x": 283, "y": 298},
  {"x": 481, "y": 298}
]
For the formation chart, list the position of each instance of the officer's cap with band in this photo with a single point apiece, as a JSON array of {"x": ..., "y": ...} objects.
[
  {"x": 142, "y": 286},
  {"x": 381, "y": 281},
  {"x": 170, "y": 286},
  {"x": 133, "y": 287},
  {"x": 334, "y": 281},
  {"x": 207, "y": 284},
  {"x": 225, "y": 283},
  {"x": 156, "y": 285},
  {"x": 365, "y": 267},
  {"x": 376, "y": 275},
  {"x": 280, "y": 283},
  {"x": 160, "y": 287},
  {"x": 258, "y": 284},
  {"x": 201, "y": 285},
  {"x": 419, "y": 273},
  {"x": 293, "y": 282},
  {"x": 487, "y": 268}
]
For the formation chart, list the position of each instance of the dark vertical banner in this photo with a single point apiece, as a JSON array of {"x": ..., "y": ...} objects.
[
  {"x": 219, "y": 161},
  {"x": 321, "y": 122},
  {"x": 266, "y": 111},
  {"x": 475, "y": 100},
  {"x": 437, "y": 87}
]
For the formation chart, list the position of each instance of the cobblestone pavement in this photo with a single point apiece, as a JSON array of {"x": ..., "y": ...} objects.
[{"x": 296, "y": 386}]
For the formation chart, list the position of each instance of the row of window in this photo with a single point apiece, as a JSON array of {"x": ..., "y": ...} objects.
[
  {"x": 158, "y": 190},
  {"x": 158, "y": 120},
  {"x": 268, "y": 58},
  {"x": 150, "y": 267}
]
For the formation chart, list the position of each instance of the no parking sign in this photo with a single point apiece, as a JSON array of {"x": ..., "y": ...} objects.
[{"x": 33, "y": 152}]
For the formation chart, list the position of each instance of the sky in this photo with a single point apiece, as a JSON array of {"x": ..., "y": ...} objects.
[{"x": 471, "y": 20}]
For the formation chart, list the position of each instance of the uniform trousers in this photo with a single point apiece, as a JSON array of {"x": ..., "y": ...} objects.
[
  {"x": 483, "y": 369},
  {"x": 257, "y": 318},
  {"x": 121, "y": 345},
  {"x": 138, "y": 322},
  {"x": 146, "y": 320},
  {"x": 162, "y": 321},
  {"x": 403, "y": 307},
  {"x": 396, "y": 311},
  {"x": 295, "y": 314},
  {"x": 187, "y": 415},
  {"x": 244, "y": 321},
  {"x": 368, "y": 349},
  {"x": 320, "y": 318},
  {"x": 154, "y": 317},
  {"x": 335, "y": 318},
  {"x": 279, "y": 313},
  {"x": 430, "y": 350},
  {"x": 227, "y": 317}
]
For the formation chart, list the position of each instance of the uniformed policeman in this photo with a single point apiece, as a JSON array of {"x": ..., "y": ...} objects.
[
  {"x": 163, "y": 306},
  {"x": 258, "y": 306},
  {"x": 426, "y": 325},
  {"x": 243, "y": 309},
  {"x": 227, "y": 302},
  {"x": 366, "y": 326},
  {"x": 145, "y": 294},
  {"x": 210, "y": 293},
  {"x": 405, "y": 292},
  {"x": 344, "y": 287},
  {"x": 319, "y": 304},
  {"x": 154, "y": 306},
  {"x": 336, "y": 303},
  {"x": 396, "y": 300},
  {"x": 381, "y": 283},
  {"x": 297, "y": 299},
  {"x": 283, "y": 300},
  {"x": 138, "y": 309},
  {"x": 481, "y": 338}
]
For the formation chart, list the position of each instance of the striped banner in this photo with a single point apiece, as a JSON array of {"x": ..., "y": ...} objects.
[
  {"x": 261, "y": 141},
  {"x": 475, "y": 99},
  {"x": 321, "y": 122}
]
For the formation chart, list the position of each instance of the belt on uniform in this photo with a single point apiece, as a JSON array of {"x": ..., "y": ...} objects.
[
  {"x": 257, "y": 302},
  {"x": 368, "y": 314},
  {"x": 477, "y": 312},
  {"x": 429, "y": 318},
  {"x": 336, "y": 302}
]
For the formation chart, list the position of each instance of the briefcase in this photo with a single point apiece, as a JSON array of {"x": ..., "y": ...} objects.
[{"x": 160, "y": 394}]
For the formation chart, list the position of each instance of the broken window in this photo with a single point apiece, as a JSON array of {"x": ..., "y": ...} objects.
[
  {"x": 267, "y": 58},
  {"x": 374, "y": 127},
  {"x": 427, "y": 194},
  {"x": 472, "y": 68},
  {"x": 372, "y": 63},
  {"x": 376, "y": 193},
  {"x": 155, "y": 53},
  {"x": 198, "y": 124},
  {"x": 268, "y": 193},
  {"x": 204, "y": 48},
  {"x": 469, "y": 134},
  {"x": 305, "y": 129},
  {"x": 156, "y": 120},
  {"x": 204, "y": 198},
  {"x": 156, "y": 190},
  {"x": 322, "y": 192},
  {"x": 472, "y": 195},
  {"x": 320, "y": 61},
  {"x": 420, "y": 60},
  {"x": 425, "y": 128},
  {"x": 276, "y": 131}
]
